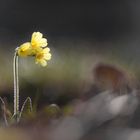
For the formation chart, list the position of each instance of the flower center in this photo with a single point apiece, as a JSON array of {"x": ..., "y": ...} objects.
[{"x": 40, "y": 56}]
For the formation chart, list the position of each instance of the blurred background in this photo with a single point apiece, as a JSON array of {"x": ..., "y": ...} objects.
[
  {"x": 84, "y": 38},
  {"x": 80, "y": 35}
]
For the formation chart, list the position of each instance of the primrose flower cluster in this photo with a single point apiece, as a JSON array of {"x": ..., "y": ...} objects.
[{"x": 37, "y": 48}]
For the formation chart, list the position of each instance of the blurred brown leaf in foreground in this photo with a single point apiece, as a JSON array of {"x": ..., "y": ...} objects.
[{"x": 110, "y": 77}]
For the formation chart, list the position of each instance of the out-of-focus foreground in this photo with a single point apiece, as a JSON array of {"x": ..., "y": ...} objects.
[{"x": 84, "y": 93}]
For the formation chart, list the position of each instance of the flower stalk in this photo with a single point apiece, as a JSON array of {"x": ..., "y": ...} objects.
[
  {"x": 37, "y": 48},
  {"x": 16, "y": 86}
]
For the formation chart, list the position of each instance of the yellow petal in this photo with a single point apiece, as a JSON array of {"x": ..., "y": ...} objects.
[
  {"x": 43, "y": 42},
  {"x": 42, "y": 62},
  {"x": 36, "y": 36},
  {"x": 47, "y": 56},
  {"x": 25, "y": 49},
  {"x": 38, "y": 41},
  {"x": 46, "y": 50}
]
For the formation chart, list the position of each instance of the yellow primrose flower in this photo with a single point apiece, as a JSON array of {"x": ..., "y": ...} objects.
[
  {"x": 43, "y": 56},
  {"x": 37, "y": 47},
  {"x": 37, "y": 40},
  {"x": 33, "y": 47},
  {"x": 25, "y": 49}
]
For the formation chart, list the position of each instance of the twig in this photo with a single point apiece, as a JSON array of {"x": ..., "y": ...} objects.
[{"x": 4, "y": 110}]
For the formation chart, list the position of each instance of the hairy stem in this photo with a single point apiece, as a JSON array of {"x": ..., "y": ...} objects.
[{"x": 16, "y": 86}]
